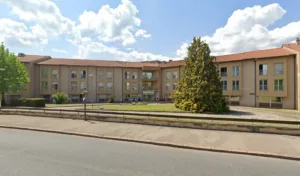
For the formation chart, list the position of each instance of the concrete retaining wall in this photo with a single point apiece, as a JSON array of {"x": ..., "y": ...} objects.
[{"x": 163, "y": 122}]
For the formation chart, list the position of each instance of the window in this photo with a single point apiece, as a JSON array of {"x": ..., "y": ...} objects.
[
  {"x": 278, "y": 69},
  {"x": 175, "y": 75},
  {"x": 101, "y": 75},
  {"x": 263, "y": 69},
  {"x": 278, "y": 85},
  {"x": 54, "y": 73},
  {"x": 73, "y": 85},
  {"x": 109, "y": 75},
  {"x": 168, "y": 86},
  {"x": 83, "y": 86},
  {"x": 44, "y": 85},
  {"x": 174, "y": 86},
  {"x": 224, "y": 85},
  {"x": 127, "y": 85},
  {"x": 134, "y": 75},
  {"x": 168, "y": 75},
  {"x": 100, "y": 86},
  {"x": 147, "y": 75},
  {"x": 73, "y": 75},
  {"x": 263, "y": 85},
  {"x": 54, "y": 86},
  {"x": 127, "y": 75},
  {"x": 224, "y": 71},
  {"x": 82, "y": 74},
  {"x": 235, "y": 85},
  {"x": 235, "y": 71},
  {"x": 134, "y": 86},
  {"x": 44, "y": 73},
  {"x": 276, "y": 100},
  {"x": 109, "y": 86}
]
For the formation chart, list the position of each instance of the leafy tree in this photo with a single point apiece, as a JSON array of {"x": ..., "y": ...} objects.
[
  {"x": 200, "y": 88},
  {"x": 13, "y": 74},
  {"x": 60, "y": 97}
]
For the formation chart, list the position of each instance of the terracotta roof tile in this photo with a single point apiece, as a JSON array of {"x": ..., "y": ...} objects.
[
  {"x": 293, "y": 46},
  {"x": 32, "y": 58},
  {"x": 258, "y": 54},
  {"x": 172, "y": 63},
  {"x": 98, "y": 63}
]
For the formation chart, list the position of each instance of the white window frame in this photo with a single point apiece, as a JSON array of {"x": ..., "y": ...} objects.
[
  {"x": 264, "y": 71},
  {"x": 134, "y": 86},
  {"x": 235, "y": 71},
  {"x": 100, "y": 85},
  {"x": 277, "y": 87},
  {"x": 44, "y": 88},
  {"x": 175, "y": 84},
  {"x": 175, "y": 75},
  {"x": 52, "y": 84},
  {"x": 168, "y": 75},
  {"x": 278, "y": 71},
  {"x": 73, "y": 85},
  {"x": 224, "y": 73},
  {"x": 236, "y": 86},
  {"x": 83, "y": 86},
  {"x": 134, "y": 75},
  {"x": 224, "y": 86},
  {"x": 109, "y": 75},
  {"x": 168, "y": 86},
  {"x": 264, "y": 85},
  {"x": 127, "y": 75},
  {"x": 101, "y": 75},
  {"x": 109, "y": 86},
  {"x": 73, "y": 74}
]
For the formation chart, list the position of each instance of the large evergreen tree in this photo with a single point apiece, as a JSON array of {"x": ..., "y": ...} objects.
[
  {"x": 13, "y": 74},
  {"x": 200, "y": 88}
]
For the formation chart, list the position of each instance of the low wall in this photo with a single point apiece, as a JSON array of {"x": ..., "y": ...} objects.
[{"x": 164, "y": 122}]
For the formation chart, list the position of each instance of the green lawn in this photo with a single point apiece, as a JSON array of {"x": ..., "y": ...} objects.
[
  {"x": 62, "y": 105},
  {"x": 138, "y": 107}
]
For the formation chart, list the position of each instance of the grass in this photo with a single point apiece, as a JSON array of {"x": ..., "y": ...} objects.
[
  {"x": 139, "y": 107},
  {"x": 62, "y": 105}
]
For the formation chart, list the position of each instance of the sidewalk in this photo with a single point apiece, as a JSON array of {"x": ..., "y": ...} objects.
[{"x": 235, "y": 142}]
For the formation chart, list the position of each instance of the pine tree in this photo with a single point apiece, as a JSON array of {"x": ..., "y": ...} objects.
[{"x": 200, "y": 88}]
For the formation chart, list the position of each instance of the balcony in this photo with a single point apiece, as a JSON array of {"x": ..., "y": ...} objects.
[
  {"x": 149, "y": 88},
  {"x": 146, "y": 78}
]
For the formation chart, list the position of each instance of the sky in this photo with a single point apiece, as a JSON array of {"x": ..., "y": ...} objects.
[{"x": 144, "y": 30}]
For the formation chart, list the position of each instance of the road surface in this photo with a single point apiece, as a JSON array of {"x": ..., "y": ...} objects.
[{"x": 29, "y": 153}]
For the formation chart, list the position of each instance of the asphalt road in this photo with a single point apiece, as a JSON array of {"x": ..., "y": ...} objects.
[{"x": 28, "y": 153}]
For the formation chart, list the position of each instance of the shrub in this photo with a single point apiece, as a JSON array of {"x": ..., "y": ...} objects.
[
  {"x": 29, "y": 102},
  {"x": 111, "y": 99},
  {"x": 60, "y": 98}
]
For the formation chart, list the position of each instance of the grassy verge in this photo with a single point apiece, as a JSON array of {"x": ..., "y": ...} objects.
[
  {"x": 139, "y": 107},
  {"x": 62, "y": 105}
]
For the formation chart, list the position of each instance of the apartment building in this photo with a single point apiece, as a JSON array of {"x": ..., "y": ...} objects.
[{"x": 262, "y": 78}]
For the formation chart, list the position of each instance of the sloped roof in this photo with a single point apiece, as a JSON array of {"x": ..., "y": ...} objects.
[
  {"x": 293, "y": 46},
  {"x": 32, "y": 58},
  {"x": 258, "y": 54}
]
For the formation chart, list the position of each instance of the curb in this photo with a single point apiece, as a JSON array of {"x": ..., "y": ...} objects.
[{"x": 243, "y": 152}]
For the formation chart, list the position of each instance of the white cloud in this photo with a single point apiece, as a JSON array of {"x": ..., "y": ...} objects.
[
  {"x": 97, "y": 50},
  {"x": 43, "y": 13},
  {"x": 248, "y": 29},
  {"x": 59, "y": 51},
  {"x": 14, "y": 33},
  {"x": 42, "y": 20},
  {"x": 111, "y": 24},
  {"x": 182, "y": 51},
  {"x": 142, "y": 33}
]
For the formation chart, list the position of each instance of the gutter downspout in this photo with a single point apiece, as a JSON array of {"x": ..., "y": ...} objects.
[{"x": 255, "y": 82}]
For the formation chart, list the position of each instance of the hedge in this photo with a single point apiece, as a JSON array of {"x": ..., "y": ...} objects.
[{"x": 29, "y": 102}]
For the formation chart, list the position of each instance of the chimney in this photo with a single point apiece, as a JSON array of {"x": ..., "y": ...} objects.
[
  {"x": 21, "y": 55},
  {"x": 298, "y": 41}
]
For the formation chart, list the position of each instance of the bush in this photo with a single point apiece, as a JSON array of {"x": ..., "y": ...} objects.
[
  {"x": 111, "y": 99},
  {"x": 60, "y": 98},
  {"x": 29, "y": 102}
]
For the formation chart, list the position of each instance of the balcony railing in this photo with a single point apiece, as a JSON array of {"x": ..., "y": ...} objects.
[
  {"x": 263, "y": 72},
  {"x": 223, "y": 73},
  {"x": 149, "y": 88},
  {"x": 153, "y": 78}
]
